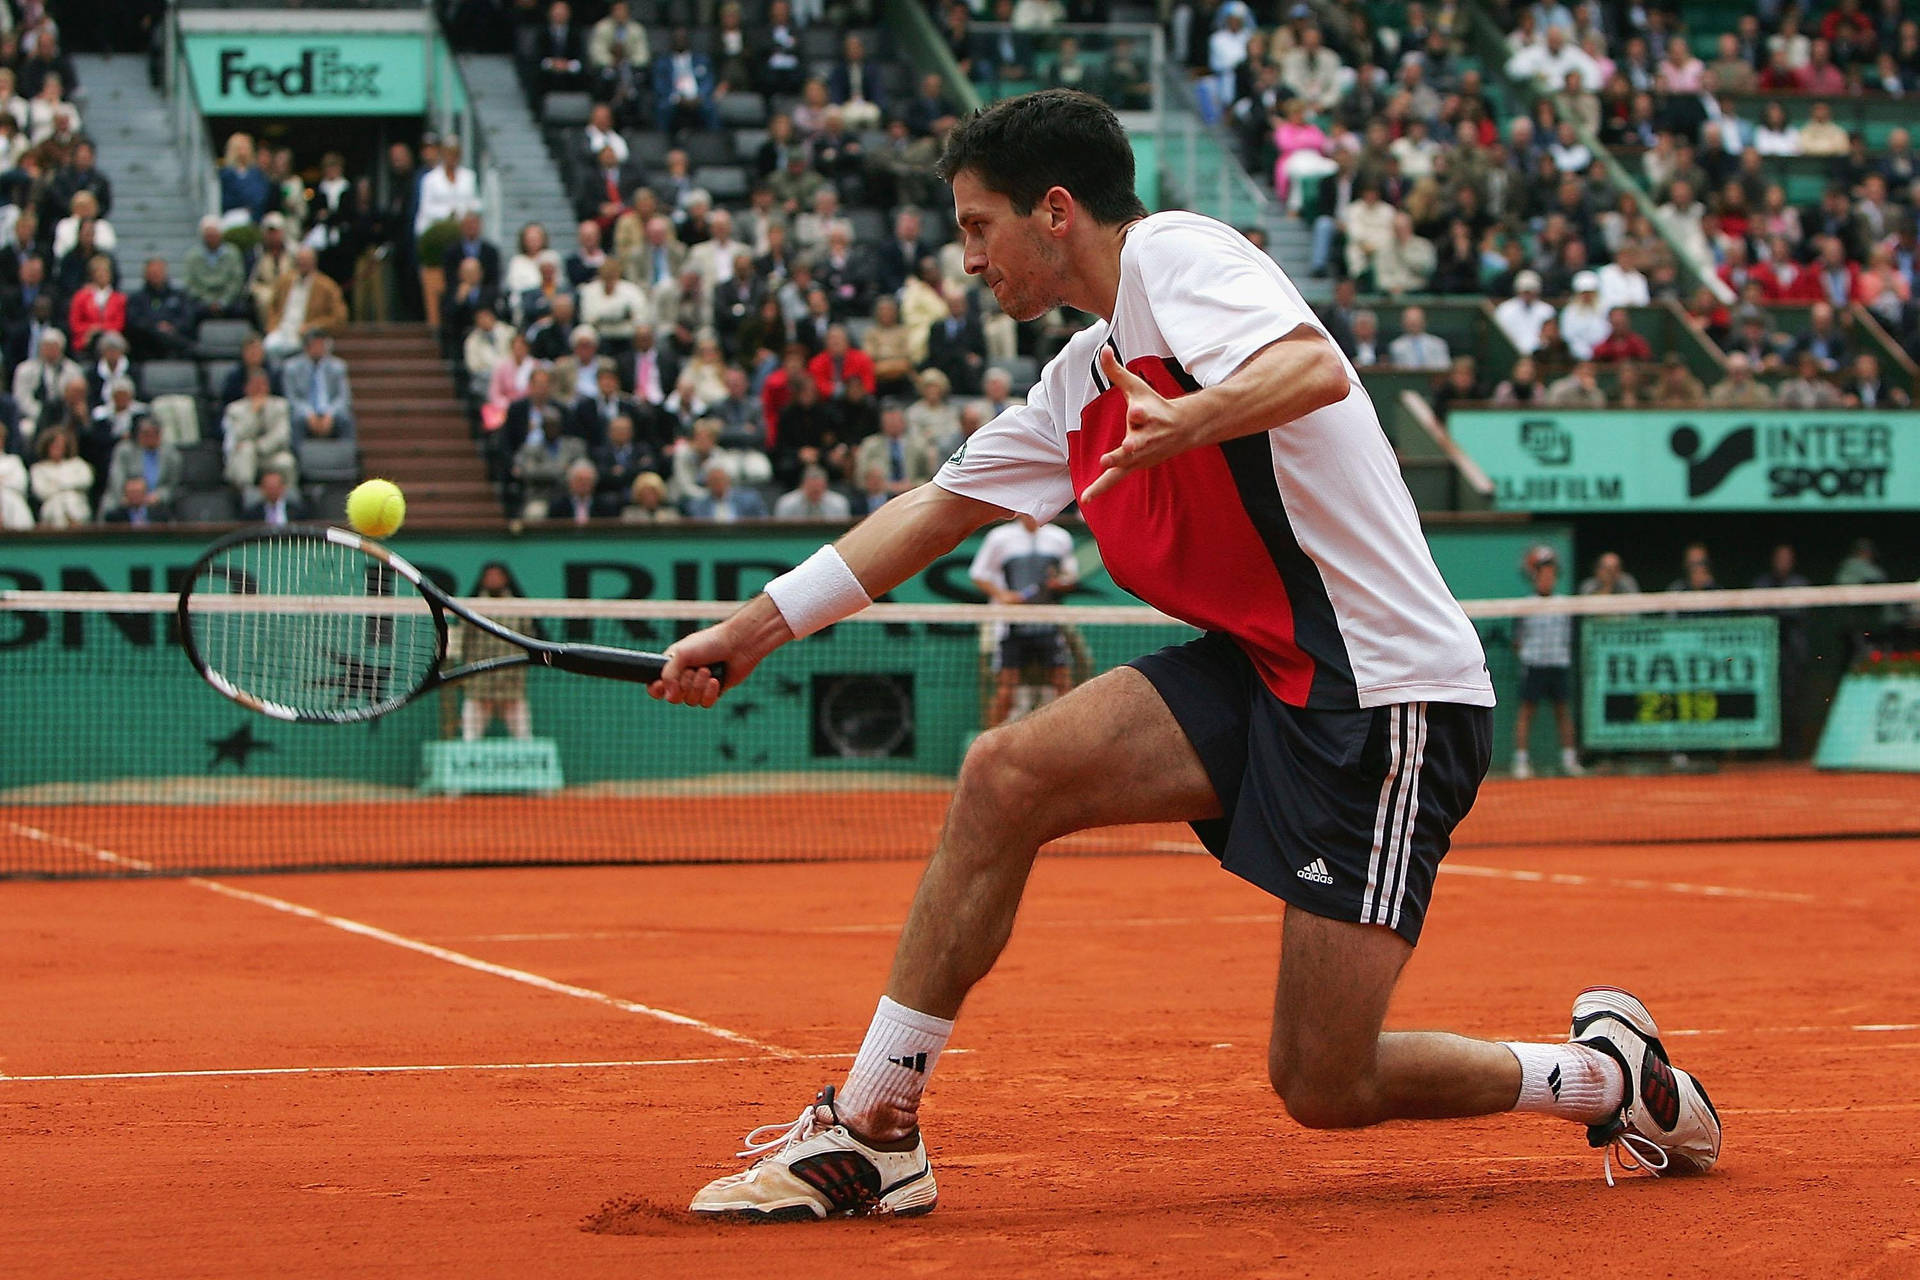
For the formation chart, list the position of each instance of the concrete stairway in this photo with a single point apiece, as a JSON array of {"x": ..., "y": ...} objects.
[
  {"x": 154, "y": 215},
  {"x": 412, "y": 427},
  {"x": 530, "y": 183}
]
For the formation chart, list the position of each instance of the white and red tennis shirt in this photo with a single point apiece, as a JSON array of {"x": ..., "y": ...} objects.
[{"x": 1301, "y": 543}]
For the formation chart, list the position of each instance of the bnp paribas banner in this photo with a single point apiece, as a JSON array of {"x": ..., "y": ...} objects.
[{"x": 1718, "y": 460}]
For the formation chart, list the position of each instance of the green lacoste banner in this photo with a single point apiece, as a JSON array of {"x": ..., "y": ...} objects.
[
  {"x": 1713, "y": 460},
  {"x": 1685, "y": 683},
  {"x": 309, "y": 74}
]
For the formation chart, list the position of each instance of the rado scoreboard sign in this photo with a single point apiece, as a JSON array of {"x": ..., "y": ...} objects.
[
  {"x": 316, "y": 74},
  {"x": 1664, "y": 460}
]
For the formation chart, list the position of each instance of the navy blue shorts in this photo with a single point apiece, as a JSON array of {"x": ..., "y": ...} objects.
[
  {"x": 1345, "y": 814},
  {"x": 1544, "y": 684}
]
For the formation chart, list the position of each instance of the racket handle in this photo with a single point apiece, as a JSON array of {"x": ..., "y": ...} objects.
[{"x": 609, "y": 663}]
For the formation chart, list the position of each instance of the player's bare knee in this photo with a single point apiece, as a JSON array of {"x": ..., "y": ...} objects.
[
  {"x": 997, "y": 778},
  {"x": 1321, "y": 1099}
]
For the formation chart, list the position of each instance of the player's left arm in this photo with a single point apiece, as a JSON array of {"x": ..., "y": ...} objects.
[{"x": 1287, "y": 379}]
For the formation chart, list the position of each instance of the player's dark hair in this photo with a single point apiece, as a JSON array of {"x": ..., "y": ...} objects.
[{"x": 1025, "y": 146}]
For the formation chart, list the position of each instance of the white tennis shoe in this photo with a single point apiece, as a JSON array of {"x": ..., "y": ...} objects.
[
  {"x": 1666, "y": 1124},
  {"x": 816, "y": 1168}
]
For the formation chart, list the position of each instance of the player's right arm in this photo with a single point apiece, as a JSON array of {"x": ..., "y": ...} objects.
[{"x": 903, "y": 537}]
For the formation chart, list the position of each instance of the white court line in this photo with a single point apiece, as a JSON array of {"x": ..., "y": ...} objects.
[
  {"x": 387, "y": 936},
  {"x": 1606, "y": 882}
]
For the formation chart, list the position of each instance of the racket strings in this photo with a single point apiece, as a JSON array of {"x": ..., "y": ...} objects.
[{"x": 324, "y": 653}]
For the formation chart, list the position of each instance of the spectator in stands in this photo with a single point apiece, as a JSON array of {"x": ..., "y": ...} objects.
[
  {"x": 904, "y": 462},
  {"x": 722, "y": 501},
  {"x": 302, "y": 301},
  {"x": 576, "y": 375},
  {"x": 277, "y": 504},
  {"x": 617, "y": 38},
  {"x": 473, "y": 244},
  {"x": 1622, "y": 281},
  {"x": 839, "y": 363},
  {"x": 622, "y": 456},
  {"x": 715, "y": 256},
  {"x": 540, "y": 467},
  {"x": 537, "y": 415},
  {"x": 1820, "y": 136},
  {"x": 98, "y": 308},
  {"x": 134, "y": 506},
  {"x": 957, "y": 346},
  {"x": 523, "y": 271},
  {"x": 1415, "y": 348},
  {"x": 487, "y": 344},
  {"x": 654, "y": 370},
  {"x": 245, "y": 190},
  {"x": 683, "y": 86},
  {"x": 559, "y": 54},
  {"x": 579, "y": 498},
  {"x": 1368, "y": 226},
  {"x": 146, "y": 458},
  {"x": 253, "y": 356},
  {"x": 1406, "y": 262},
  {"x": 1579, "y": 389},
  {"x": 658, "y": 257},
  {"x": 1823, "y": 339},
  {"x": 601, "y": 402},
  {"x": 551, "y": 336},
  {"x": 813, "y": 500},
  {"x": 934, "y": 420},
  {"x": 216, "y": 276},
  {"x": 1522, "y": 386},
  {"x": 647, "y": 502},
  {"x": 1864, "y": 387},
  {"x": 808, "y": 435},
  {"x": 258, "y": 433},
  {"x": 1740, "y": 390},
  {"x": 1609, "y": 578},
  {"x": 532, "y": 306},
  {"x": 111, "y": 362},
  {"x": 1621, "y": 342},
  {"x": 115, "y": 418},
  {"x": 614, "y": 306},
  {"x": 1522, "y": 316},
  {"x": 467, "y": 295},
  {"x": 1367, "y": 350},
  {"x": 601, "y": 194},
  {"x": 447, "y": 190},
  {"x": 1808, "y": 388},
  {"x": 272, "y": 260},
  {"x": 160, "y": 316},
  {"x": 855, "y": 85},
  {"x": 318, "y": 392},
  {"x": 507, "y": 383},
  {"x": 1676, "y": 387},
  {"x": 1583, "y": 322}
]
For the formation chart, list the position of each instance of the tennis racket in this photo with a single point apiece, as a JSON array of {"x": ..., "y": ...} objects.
[{"x": 322, "y": 626}]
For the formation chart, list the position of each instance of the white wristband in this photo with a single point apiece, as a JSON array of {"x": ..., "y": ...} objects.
[{"x": 818, "y": 594}]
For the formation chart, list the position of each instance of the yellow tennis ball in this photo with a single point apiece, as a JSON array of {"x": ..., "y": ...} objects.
[{"x": 376, "y": 508}]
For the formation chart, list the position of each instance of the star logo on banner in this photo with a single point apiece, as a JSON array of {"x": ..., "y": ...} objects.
[{"x": 236, "y": 746}]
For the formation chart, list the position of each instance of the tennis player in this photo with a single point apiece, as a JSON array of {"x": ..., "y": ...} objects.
[{"x": 1323, "y": 736}]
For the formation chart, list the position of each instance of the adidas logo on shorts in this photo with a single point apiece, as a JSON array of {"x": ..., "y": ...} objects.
[{"x": 1316, "y": 871}]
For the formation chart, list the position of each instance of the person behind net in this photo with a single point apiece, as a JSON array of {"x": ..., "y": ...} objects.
[
  {"x": 1026, "y": 562},
  {"x": 1324, "y": 735},
  {"x": 498, "y": 695},
  {"x": 1545, "y": 648}
]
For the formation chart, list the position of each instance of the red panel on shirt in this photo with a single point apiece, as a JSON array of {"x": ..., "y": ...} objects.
[{"x": 1178, "y": 536}]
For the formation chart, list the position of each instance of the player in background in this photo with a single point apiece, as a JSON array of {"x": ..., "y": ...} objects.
[
  {"x": 1324, "y": 735},
  {"x": 1544, "y": 646},
  {"x": 1026, "y": 562}
]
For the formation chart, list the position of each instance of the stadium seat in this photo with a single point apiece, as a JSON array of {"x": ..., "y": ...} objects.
[
  {"x": 726, "y": 183},
  {"x": 1025, "y": 371},
  {"x": 566, "y": 110},
  {"x": 743, "y": 110},
  {"x": 222, "y": 339},
  {"x": 820, "y": 41},
  {"x": 329, "y": 461},
  {"x": 328, "y": 501},
  {"x": 647, "y": 150},
  {"x": 206, "y": 506},
  {"x": 169, "y": 377},
  {"x": 708, "y": 146},
  {"x": 202, "y": 466},
  {"x": 869, "y": 225},
  {"x": 213, "y": 376}
]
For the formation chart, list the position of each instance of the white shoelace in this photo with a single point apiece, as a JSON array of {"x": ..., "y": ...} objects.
[
  {"x": 1637, "y": 1152},
  {"x": 782, "y": 1135}
]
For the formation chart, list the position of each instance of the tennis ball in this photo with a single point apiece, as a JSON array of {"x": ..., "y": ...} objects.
[{"x": 376, "y": 508}]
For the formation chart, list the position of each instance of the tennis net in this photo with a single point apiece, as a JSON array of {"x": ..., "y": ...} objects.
[{"x": 1695, "y": 716}]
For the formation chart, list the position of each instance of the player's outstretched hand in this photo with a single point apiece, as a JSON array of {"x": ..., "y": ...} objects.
[
  {"x": 1154, "y": 430},
  {"x": 687, "y": 678}
]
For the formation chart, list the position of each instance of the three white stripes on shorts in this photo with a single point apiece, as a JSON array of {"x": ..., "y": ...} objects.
[{"x": 1394, "y": 822}]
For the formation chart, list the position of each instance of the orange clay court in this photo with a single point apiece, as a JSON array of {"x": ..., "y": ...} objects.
[{"x": 527, "y": 1071}]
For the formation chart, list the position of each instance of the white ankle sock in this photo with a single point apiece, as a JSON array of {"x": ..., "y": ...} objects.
[
  {"x": 895, "y": 1061},
  {"x": 1572, "y": 1081}
]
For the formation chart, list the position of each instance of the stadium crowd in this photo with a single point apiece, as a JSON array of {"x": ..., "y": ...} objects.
[{"x": 1379, "y": 127}]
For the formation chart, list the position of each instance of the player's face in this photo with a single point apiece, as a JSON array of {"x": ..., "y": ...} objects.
[{"x": 1016, "y": 256}]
